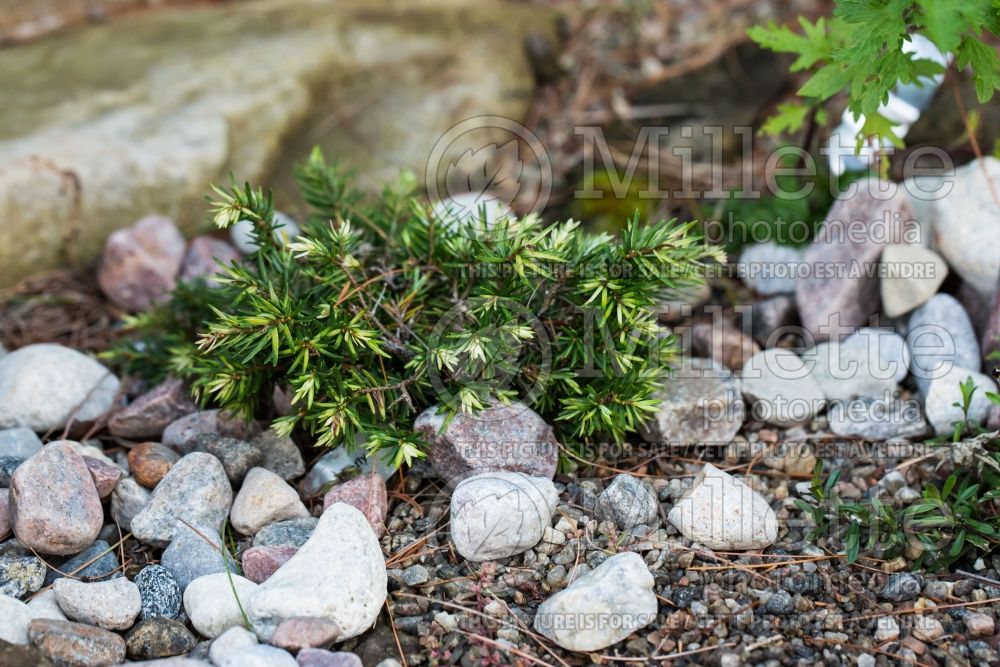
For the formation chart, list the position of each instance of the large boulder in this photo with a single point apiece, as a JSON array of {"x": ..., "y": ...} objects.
[{"x": 235, "y": 88}]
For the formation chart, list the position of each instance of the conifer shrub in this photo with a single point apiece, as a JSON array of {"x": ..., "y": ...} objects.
[{"x": 383, "y": 308}]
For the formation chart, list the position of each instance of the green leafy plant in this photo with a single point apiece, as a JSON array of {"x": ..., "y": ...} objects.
[
  {"x": 383, "y": 308},
  {"x": 860, "y": 50},
  {"x": 947, "y": 523}
]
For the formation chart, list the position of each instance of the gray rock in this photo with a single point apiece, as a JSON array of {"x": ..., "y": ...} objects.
[
  {"x": 700, "y": 404},
  {"x": 338, "y": 575},
  {"x": 911, "y": 276},
  {"x": 281, "y": 455},
  {"x": 104, "y": 566},
  {"x": 867, "y": 364},
  {"x": 877, "y": 419},
  {"x": 160, "y": 593},
  {"x": 940, "y": 336},
  {"x": 8, "y": 464},
  {"x": 230, "y": 642},
  {"x": 416, "y": 575},
  {"x": 112, "y": 605},
  {"x": 56, "y": 508},
  {"x": 45, "y": 605},
  {"x": 195, "y": 551},
  {"x": 180, "y": 433},
  {"x": 149, "y": 414},
  {"x": 214, "y": 603},
  {"x": 317, "y": 657},
  {"x": 21, "y": 572},
  {"x": 237, "y": 456},
  {"x": 14, "y": 619},
  {"x": 964, "y": 225},
  {"x": 264, "y": 499},
  {"x": 291, "y": 533},
  {"x": 158, "y": 638},
  {"x": 902, "y": 586},
  {"x": 127, "y": 500},
  {"x": 770, "y": 268},
  {"x": 841, "y": 291},
  {"x": 195, "y": 490},
  {"x": 511, "y": 438},
  {"x": 944, "y": 393},
  {"x": 499, "y": 514},
  {"x": 18, "y": 442},
  {"x": 780, "y": 389},
  {"x": 602, "y": 607},
  {"x": 43, "y": 386},
  {"x": 627, "y": 502},
  {"x": 780, "y": 603}
]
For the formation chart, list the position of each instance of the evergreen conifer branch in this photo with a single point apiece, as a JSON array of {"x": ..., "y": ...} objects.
[{"x": 382, "y": 309}]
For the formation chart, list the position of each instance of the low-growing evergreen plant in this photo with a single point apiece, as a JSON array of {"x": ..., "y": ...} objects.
[{"x": 383, "y": 308}]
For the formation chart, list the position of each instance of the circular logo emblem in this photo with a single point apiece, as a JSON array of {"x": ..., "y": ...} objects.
[{"x": 488, "y": 163}]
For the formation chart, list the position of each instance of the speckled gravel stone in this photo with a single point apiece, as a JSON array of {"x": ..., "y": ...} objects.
[
  {"x": 291, "y": 533},
  {"x": 21, "y": 572},
  {"x": 161, "y": 596},
  {"x": 158, "y": 638},
  {"x": 75, "y": 644}
]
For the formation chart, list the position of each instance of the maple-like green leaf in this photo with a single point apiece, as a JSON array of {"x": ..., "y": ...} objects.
[{"x": 985, "y": 66}]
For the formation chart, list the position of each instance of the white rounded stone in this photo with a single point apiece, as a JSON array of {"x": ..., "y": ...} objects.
[
  {"x": 213, "y": 602},
  {"x": 44, "y": 385},
  {"x": 721, "y": 512},
  {"x": 602, "y": 607},
  {"x": 500, "y": 514},
  {"x": 338, "y": 574},
  {"x": 112, "y": 604}
]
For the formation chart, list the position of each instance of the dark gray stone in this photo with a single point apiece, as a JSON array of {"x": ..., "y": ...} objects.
[
  {"x": 161, "y": 596},
  {"x": 902, "y": 586},
  {"x": 8, "y": 464},
  {"x": 237, "y": 456},
  {"x": 627, "y": 502},
  {"x": 104, "y": 567},
  {"x": 780, "y": 603}
]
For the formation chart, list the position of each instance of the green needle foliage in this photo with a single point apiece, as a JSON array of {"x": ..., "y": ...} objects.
[
  {"x": 382, "y": 308},
  {"x": 860, "y": 50}
]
